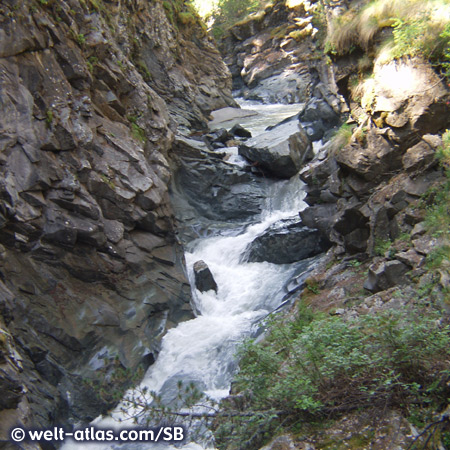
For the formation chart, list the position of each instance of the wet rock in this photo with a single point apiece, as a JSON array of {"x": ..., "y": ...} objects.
[
  {"x": 214, "y": 189},
  {"x": 281, "y": 151},
  {"x": 285, "y": 87},
  {"x": 317, "y": 110},
  {"x": 286, "y": 242},
  {"x": 229, "y": 115},
  {"x": 240, "y": 131},
  {"x": 204, "y": 280},
  {"x": 386, "y": 274}
]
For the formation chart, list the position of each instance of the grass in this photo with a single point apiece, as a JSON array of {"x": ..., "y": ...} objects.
[
  {"x": 137, "y": 131},
  {"x": 417, "y": 28},
  {"x": 342, "y": 136}
]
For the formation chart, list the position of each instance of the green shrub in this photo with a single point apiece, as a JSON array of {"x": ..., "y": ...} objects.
[{"x": 316, "y": 366}]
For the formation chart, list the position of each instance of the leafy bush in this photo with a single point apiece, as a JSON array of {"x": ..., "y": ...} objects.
[{"x": 316, "y": 366}]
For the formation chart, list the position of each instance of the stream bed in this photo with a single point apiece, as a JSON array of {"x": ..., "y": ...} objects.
[{"x": 202, "y": 351}]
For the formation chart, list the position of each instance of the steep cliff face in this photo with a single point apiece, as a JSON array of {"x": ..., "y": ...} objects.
[
  {"x": 91, "y": 274},
  {"x": 275, "y": 57}
]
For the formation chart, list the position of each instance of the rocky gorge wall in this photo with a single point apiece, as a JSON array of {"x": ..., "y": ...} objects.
[
  {"x": 91, "y": 272},
  {"x": 370, "y": 190}
]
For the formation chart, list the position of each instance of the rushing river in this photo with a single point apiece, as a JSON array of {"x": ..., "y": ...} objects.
[{"x": 202, "y": 350}]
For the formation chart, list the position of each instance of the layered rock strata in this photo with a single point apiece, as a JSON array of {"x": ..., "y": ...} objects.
[{"x": 91, "y": 273}]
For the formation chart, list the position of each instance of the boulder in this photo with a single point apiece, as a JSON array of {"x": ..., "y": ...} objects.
[
  {"x": 215, "y": 189},
  {"x": 419, "y": 157},
  {"x": 386, "y": 274},
  {"x": 281, "y": 151},
  {"x": 285, "y": 87},
  {"x": 204, "y": 280},
  {"x": 371, "y": 160},
  {"x": 396, "y": 97},
  {"x": 285, "y": 242},
  {"x": 240, "y": 131}
]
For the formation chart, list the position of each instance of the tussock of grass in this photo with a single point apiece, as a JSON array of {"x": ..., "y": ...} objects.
[{"x": 416, "y": 25}]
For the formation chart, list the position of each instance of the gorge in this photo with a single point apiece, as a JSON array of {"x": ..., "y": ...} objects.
[{"x": 113, "y": 187}]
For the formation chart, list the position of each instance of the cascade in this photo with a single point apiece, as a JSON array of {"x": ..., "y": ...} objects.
[{"x": 203, "y": 350}]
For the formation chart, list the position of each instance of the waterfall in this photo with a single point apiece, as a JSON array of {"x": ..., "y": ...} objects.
[{"x": 202, "y": 350}]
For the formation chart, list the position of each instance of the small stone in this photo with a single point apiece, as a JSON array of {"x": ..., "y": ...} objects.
[
  {"x": 240, "y": 131},
  {"x": 411, "y": 258},
  {"x": 418, "y": 230},
  {"x": 424, "y": 245}
]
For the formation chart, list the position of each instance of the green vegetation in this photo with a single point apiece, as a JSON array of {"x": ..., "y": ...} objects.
[
  {"x": 114, "y": 375},
  {"x": 221, "y": 14},
  {"x": 419, "y": 28},
  {"x": 317, "y": 367},
  {"x": 136, "y": 130},
  {"x": 438, "y": 218},
  {"x": 81, "y": 39},
  {"x": 108, "y": 181},
  {"x": 49, "y": 118},
  {"x": 342, "y": 136}
]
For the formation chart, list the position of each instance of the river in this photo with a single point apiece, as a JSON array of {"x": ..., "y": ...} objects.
[{"x": 203, "y": 350}]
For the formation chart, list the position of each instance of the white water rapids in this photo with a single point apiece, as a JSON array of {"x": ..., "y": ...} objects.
[{"x": 202, "y": 350}]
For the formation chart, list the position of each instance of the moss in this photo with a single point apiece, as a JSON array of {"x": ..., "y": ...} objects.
[
  {"x": 49, "y": 118},
  {"x": 299, "y": 35},
  {"x": 186, "y": 18},
  {"x": 143, "y": 70},
  {"x": 108, "y": 181}
]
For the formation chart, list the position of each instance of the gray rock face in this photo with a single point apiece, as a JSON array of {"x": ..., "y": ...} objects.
[
  {"x": 212, "y": 188},
  {"x": 91, "y": 273},
  {"x": 286, "y": 242},
  {"x": 204, "y": 280},
  {"x": 281, "y": 151},
  {"x": 286, "y": 87},
  {"x": 384, "y": 275},
  {"x": 370, "y": 161}
]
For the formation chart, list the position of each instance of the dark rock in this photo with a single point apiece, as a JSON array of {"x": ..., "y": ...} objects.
[
  {"x": 214, "y": 189},
  {"x": 286, "y": 242},
  {"x": 11, "y": 388},
  {"x": 319, "y": 111},
  {"x": 204, "y": 280},
  {"x": 384, "y": 275},
  {"x": 321, "y": 217},
  {"x": 281, "y": 151},
  {"x": 356, "y": 240},
  {"x": 240, "y": 131},
  {"x": 371, "y": 161},
  {"x": 420, "y": 157},
  {"x": 315, "y": 130}
]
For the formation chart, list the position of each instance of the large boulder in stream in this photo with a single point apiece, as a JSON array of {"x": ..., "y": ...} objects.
[
  {"x": 285, "y": 242},
  {"x": 281, "y": 151},
  {"x": 204, "y": 280}
]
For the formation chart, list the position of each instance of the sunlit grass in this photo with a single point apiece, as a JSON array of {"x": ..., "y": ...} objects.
[{"x": 417, "y": 26}]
